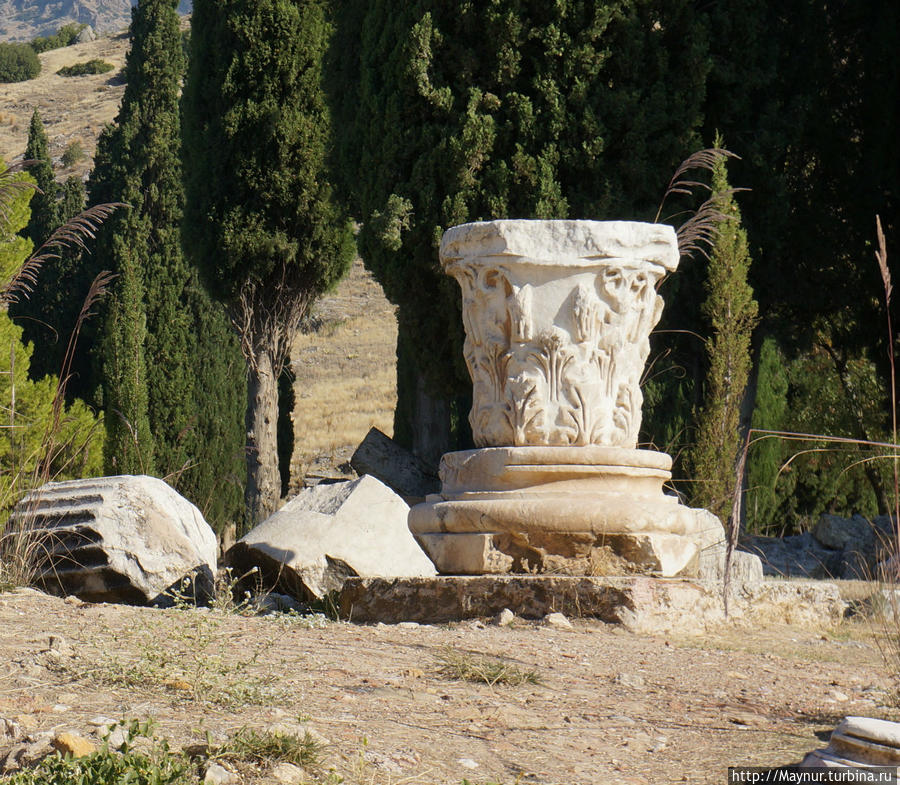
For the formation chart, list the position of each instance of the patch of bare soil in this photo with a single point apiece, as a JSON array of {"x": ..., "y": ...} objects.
[
  {"x": 610, "y": 707},
  {"x": 345, "y": 366},
  {"x": 72, "y": 108}
]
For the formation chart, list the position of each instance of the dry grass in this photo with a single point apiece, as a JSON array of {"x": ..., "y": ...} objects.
[
  {"x": 345, "y": 365},
  {"x": 464, "y": 666}
]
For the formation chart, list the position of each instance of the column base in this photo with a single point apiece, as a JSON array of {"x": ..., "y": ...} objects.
[{"x": 565, "y": 511}]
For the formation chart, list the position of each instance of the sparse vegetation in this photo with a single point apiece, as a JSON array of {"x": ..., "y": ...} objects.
[
  {"x": 87, "y": 68},
  {"x": 492, "y": 671},
  {"x": 156, "y": 766},
  {"x": 268, "y": 747},
  {"x": 189, "y": 664},
  {"x": 18, "y": 63}
]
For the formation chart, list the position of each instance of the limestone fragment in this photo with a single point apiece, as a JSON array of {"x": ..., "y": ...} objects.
[
  {"x": 129, "y": 539},
  {"x": 328, "y": 533}
]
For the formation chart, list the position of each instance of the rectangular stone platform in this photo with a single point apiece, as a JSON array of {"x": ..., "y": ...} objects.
[{"x": 639, "y": 603}]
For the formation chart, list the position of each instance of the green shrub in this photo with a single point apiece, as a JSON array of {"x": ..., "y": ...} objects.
[
  {"x": 73, "y": 153},
  {"x": 95, "y": 66},
  {"x": 158, "y": 766},
  {"x": 65, "y": 36},
  {"x": 18, "y": 63}
]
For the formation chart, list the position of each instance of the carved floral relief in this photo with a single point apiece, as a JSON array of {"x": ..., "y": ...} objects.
[{"x": 556, "y": 357}]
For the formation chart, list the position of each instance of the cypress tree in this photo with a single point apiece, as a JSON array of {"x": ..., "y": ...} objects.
[
  {"x": 766, "y": 455},
  {"x": 732, "y": 313},
  {"x": 44, "y": 211},
  {"x": 260, "y": 220},
  {"x": 453, "y": 111},
  {"x": 165, "y": 355}
]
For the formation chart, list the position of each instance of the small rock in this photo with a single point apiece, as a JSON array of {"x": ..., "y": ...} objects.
[
  {"x": 117, "y": 737},
  {"x": 59, "y": 644},
  {"x": 505, "y": 618},
  {"x": 468, "y": 763},
  {"x": 299, "y": 730},
  {"x": 61, "y": 708},
  {"x": 633, "y": 680},
  {"x": 219, "y": 775},
  {"x": 839, "y": 696},
  {"x": 99, "y": 721},
  {"x": 286, "y": 773},
  {"x": 558, "y": 620},
  {"x": 72, "y": 600},
  {"x": 10, "y": 730},
  {"x": 73, "y": 744},
  {"x": 408, "y": 625}
]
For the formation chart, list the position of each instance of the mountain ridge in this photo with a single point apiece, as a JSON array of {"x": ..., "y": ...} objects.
[{"x": 22, "y": 20}]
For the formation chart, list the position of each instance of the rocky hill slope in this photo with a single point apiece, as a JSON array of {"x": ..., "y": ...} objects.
[{"x": 22, "y": 20}]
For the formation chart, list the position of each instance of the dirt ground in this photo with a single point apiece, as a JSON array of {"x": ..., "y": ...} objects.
[{"x": 610, "y": 706}]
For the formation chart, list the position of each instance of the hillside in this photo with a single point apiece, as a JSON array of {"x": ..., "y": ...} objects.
[
  {"x": 73, "y": 109},
  {"x": 22, "y": 20}
]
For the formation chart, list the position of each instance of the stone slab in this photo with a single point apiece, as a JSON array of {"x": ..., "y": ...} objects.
[
  {"x": 381, "y": 457},
  {"x": 639, "y": 603}
]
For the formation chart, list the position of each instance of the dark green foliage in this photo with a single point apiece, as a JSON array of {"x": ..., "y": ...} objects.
[
  {"x": 73, "y": 153},
  {"x": 168, "y": 364},
  {"x": 129, "y": 440},
  {"x": 48, "y": 315},
  {"x": 260, "y": 221},
  {"x": 88, "y": 67},
  {"x": 45, "y": 215},
  {"x": 767, "y": 454},
  {"x": 18, "y": 63},
  {"x": 810, "y": 477},
  {"x": 454, "y": 112},
  {"x": 732, "y": 314},
  {"x": 65, "y": 36}
]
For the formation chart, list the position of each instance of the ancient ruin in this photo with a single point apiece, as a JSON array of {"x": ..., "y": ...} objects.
[{"x": 557, "y": 317}]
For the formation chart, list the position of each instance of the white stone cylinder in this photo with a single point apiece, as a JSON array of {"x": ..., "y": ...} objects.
[{"x": 558, "y": 316}]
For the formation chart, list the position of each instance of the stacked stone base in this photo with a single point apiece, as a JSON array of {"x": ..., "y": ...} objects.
[{"x": 639, "y": 603}]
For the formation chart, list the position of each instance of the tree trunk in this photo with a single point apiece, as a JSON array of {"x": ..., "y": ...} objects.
[
  {"x": 431, "y": 426},
  {"x": 421, "y": 422},
  {"x": 263, "y": 479}
]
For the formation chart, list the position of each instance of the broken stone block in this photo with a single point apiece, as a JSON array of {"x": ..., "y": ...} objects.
[
  {"x": 404, "y": 473},
  {"x": 329, "y": 533}
]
